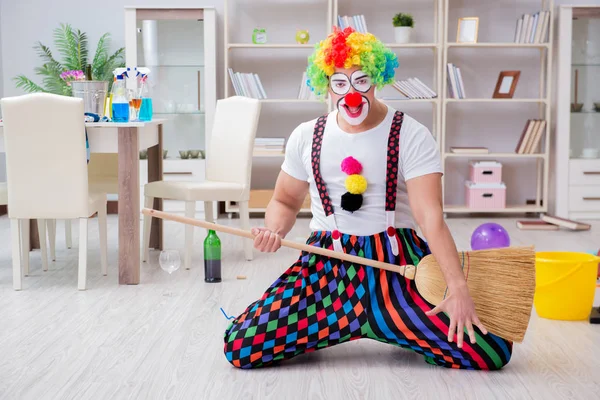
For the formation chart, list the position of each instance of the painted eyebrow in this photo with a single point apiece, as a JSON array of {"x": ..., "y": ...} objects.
[
  {"x": 362, "y": 76},
  {"x": 340, "y": 79}
]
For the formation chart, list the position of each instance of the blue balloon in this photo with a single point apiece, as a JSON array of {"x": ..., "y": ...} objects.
[{"x": 489, "y": 236}]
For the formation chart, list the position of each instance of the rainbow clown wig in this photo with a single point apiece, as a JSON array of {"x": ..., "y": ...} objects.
[{"x": 345, "y": 49}]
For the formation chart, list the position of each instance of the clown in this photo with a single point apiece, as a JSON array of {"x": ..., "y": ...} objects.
[{"x": 374, "y": 176}]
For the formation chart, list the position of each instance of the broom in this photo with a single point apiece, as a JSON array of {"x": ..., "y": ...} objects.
[{"x": 500, "y": 281}]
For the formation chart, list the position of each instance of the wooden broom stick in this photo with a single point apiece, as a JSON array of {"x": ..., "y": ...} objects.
[{"x": 407, "y": 271}]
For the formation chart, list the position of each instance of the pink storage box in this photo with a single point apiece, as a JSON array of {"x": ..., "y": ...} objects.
[
  {"x": 484, "y": 196},
  {"x": 485, "y": 171}
]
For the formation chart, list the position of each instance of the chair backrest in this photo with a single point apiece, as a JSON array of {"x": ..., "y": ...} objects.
[
  {"x": 46, "y": 165},
  {"x": 229, "y": 156}
]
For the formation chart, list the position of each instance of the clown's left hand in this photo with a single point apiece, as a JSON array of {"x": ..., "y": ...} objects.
[{"x": 460, "y": 308}]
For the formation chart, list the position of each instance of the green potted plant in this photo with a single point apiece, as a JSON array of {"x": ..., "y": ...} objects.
[
  {"x": 403, "y": 27},
  {"x": 75, "y": 74}
]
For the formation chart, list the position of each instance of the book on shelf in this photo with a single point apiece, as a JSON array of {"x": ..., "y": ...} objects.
[
  {"x": 566, "y": 223},
  {"x": 469, "y": 150},
  {"x": 456, "y": 87},
  {"x": 533, "y": 28},
  {"x": 247, "y": 84},
  {"x": 536, "y": 225},
  {"x": 357, "y": 22},
  {"x": 531, "y": 137},
  {"x": 414, "y": 88},
  {"x": 305, "y": 93}
]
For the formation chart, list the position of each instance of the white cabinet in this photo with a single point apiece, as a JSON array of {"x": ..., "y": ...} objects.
[
  {"x": 178, "y": 45},
  {"x": 577, "y": 150}
]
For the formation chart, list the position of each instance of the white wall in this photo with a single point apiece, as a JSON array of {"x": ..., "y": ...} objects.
[{"x": 24, "y": 22}]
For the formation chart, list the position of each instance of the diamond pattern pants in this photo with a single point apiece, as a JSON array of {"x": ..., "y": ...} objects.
[{"x": 320, "y": 302}]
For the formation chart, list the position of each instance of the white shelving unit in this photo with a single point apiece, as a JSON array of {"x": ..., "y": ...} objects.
[
  {"x": 436, "y": 44},
  {"x": 178, "y": 45},
  {"x": 577, "y": 176},
  {"x": 542, "y": 159}
]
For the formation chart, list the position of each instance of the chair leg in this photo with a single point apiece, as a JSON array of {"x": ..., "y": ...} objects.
[
  {"x": 190, "y": 212},
  {"x": 25, "y": 244},
  {"x": 41, "y": 225},
  {"x": 83, "y": 236},
  {"x": 208, "y": 211},
  {"x": 52, "y": 238},
  {"x": 16, "y": 253},
  {"x": 148, "y": 203},
  {"x": 103, "y": 239},
  {"x": 245, "y": 219},
  {"x": 68, "y": 237}
]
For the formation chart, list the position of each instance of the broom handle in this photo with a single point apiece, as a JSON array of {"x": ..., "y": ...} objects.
[{"x": 407, "y": 271}]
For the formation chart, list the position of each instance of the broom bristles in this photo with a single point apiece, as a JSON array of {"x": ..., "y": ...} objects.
[{"x": 500, "y": 281}]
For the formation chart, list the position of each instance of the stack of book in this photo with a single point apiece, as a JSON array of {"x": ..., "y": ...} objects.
[
  {"x": 533, "y": 28},
  {"x": 413, "y": 88},
  {"x": 269, "y": 146},
  {"x": 456, "y": 87},
  {"x": 552, "y": 223},
  {"x": 357, "y": 22},
  {"x": 305, "y": 93},
  {"x": 247, "y": 84},
  {"x": 531, "y": 136}
]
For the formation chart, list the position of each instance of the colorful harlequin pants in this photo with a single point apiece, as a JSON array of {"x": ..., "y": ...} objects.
[{"x": 320, "y": 302}]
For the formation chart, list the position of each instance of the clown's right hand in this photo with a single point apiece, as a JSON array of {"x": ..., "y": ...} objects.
[{"x": 265, "y": 240}]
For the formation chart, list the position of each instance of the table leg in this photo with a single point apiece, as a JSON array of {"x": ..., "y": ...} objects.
[
  {"x": 34, "y": 238},
  {"x": 155, "y": 173},
  {"x": 129, "y": 207}
]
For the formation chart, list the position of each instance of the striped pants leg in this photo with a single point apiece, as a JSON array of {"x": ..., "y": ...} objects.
[{"x": 320, "y": 302}]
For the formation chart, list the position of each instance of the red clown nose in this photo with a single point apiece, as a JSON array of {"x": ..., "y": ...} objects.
[{"x": 353, "y": 99}]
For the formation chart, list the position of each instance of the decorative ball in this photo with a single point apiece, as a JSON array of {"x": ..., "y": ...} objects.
[
  {"x": 302, "y": 36},
  {"x": 351, "y": 202},
  {"x": 351, "y": 166},
  {"x": 356, "y": 184},
  {"x": 489, "y": 236}
]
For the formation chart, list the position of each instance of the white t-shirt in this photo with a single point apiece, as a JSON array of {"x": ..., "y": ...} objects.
[{"x": 419, "y": 155}]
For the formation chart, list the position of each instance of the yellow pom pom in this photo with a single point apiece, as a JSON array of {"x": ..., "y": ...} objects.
[{"x": 356, "y": 184}]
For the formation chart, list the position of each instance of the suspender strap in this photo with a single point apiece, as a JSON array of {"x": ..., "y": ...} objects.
[
  {"x": 391, "y": 179},
  {"x": 317, "y": 142}
]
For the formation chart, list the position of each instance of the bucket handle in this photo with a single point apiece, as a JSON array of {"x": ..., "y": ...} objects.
[{"x": 571, "y": 272}]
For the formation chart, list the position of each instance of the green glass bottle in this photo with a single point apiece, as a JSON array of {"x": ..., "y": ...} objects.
[{"x": 212, "y": 257}]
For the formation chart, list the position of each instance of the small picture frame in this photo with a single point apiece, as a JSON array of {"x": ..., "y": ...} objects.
[
  {"x": 468, "y": 29},
  {"x": 506, "y": 85}
]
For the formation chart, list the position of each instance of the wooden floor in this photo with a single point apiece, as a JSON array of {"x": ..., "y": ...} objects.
[{"x": 131, "y": 342}]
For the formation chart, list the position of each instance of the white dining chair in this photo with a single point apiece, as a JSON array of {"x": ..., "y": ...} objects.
[
  {"x": 46, "y": 172},
  {"x": 228, "y": 172}
]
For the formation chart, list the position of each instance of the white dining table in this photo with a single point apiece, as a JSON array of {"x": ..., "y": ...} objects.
[{"x": 127, "y": 139}]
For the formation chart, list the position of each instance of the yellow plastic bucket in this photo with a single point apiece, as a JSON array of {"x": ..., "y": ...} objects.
[{"x": 565, "y": 284}]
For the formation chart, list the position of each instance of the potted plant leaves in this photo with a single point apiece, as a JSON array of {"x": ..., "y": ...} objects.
[{"x": 403, "y": 27}]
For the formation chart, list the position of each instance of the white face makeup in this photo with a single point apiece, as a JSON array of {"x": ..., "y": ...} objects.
[{"x": 353, "y": 107}]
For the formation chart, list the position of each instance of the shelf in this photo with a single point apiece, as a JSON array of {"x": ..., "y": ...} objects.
[
  {"x": 495, "y": 100},
  {"x": 292, "y": 101},
  {"x": 586, "y": 112},
  {"x": 493, "y": 155},
  {"x": 175, "y": 66},
  {"x": 179, "y": 113},
  {"x": 586, "y": 65},
  {"x": 508, "y": 209},
  {"x": 500, "y": 45},
  {"x": 270, "y": 46},
  {"x": 436, "y": 100},
  {"x": 411, "y": 45},
  {"x": 267, "y": 154}
]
